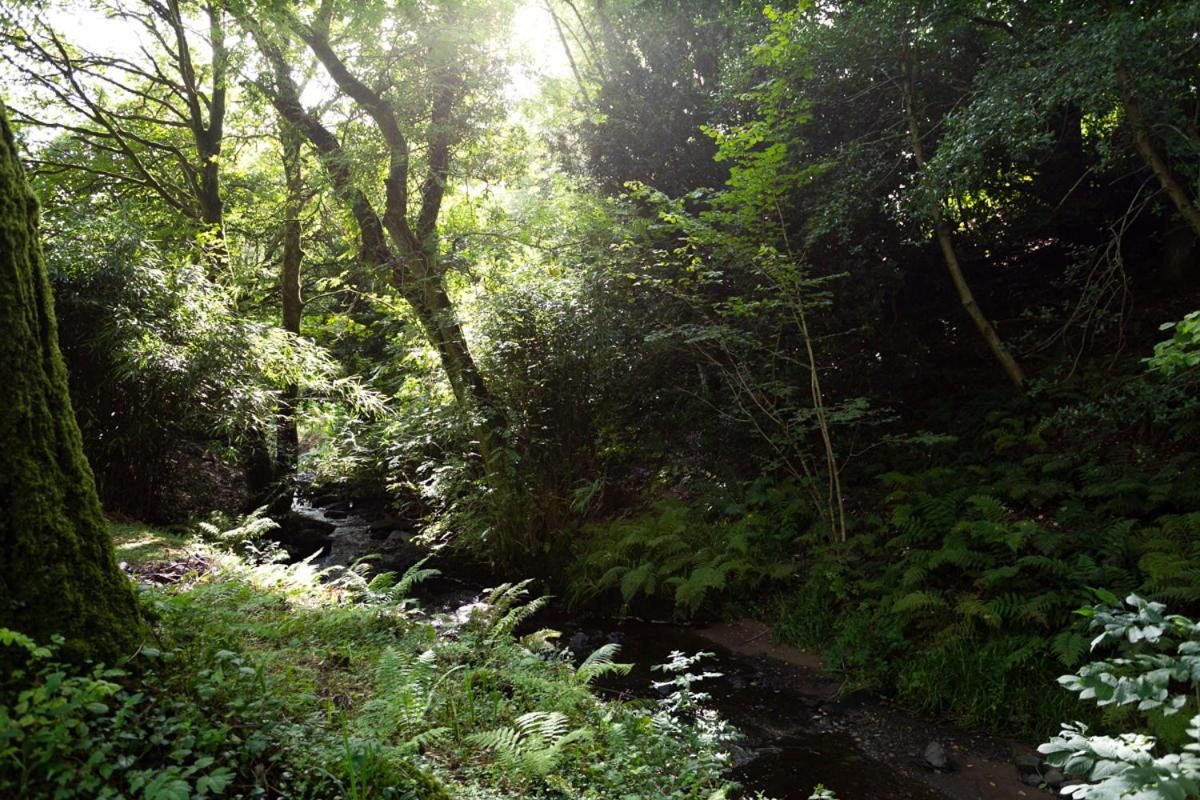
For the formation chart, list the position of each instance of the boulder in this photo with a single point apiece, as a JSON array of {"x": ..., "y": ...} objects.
[{"x": 302, "y": 535}]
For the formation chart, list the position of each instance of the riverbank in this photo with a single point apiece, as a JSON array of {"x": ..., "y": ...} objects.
[
  {"x": 270, "y": 679},
  {"x": 977, "y": 766},
  {"x": 797, "y": 728}
]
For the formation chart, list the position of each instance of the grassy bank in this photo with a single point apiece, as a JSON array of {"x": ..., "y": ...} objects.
[{"x": 264, "y": 681}]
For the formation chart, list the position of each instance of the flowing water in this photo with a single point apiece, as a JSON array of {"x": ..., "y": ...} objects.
[{"x": 788, "y": 743}]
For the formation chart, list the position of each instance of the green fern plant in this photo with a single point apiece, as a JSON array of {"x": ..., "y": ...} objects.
[
  {"x": 505, "y": 609},
  {"x": 677, "y": 553},
  {"x": 533, "y": 745},
  {"x": 601, "y": 663},
  {"x": 403, "y": 697}
]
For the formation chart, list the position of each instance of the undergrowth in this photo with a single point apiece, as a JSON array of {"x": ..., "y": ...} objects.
[
  {"x": 266, "y": 680},
  {"x": 690, "y": 555},
  {"x": 956, "y": 589}
]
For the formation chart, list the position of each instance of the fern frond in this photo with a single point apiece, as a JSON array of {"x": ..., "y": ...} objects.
[{"x": 601, "y": 663}]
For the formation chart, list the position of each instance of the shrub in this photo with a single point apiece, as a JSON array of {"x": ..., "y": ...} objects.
[{"x": 1157, "y": 670}]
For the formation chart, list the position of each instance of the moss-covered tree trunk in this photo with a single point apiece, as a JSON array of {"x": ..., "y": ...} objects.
[{"x": 58, "y": 573}]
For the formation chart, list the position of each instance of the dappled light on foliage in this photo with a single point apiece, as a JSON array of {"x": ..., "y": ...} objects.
[{"x": 356, "y": 340}]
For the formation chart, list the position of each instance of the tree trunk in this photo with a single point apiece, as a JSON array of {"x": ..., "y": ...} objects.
[
  {"x": 1146, "y": 147},
  {"x": 58, "y": 572},
  {"x": 942, "y": 233},
  {"x": 288, "y": 445}
]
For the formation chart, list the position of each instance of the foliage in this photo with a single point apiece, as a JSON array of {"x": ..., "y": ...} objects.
[
  {"x": 236, "y": 535},
  {"x": 960, "y": 598},
  {"x": 1180, "y": 353},
  {"x": 1157, "y": 669},
  {"x": 269, "y": 677},
  {"x": 691, "y": 553},
  {"x": 668, "y": 329},
  {"x": 166, "y": 364},
  {"x": 83, "y": 734}
]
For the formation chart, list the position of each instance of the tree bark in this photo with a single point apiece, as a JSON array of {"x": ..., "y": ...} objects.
[
  {"x": 388, "y": 240},
  {"x": 207, "y": 133},
  {"x": 58, "y": 572},
  {"x": 945, "y": 241},
  {"x": 1147, "y": 148},
  {"x": 288, "y": 444}
]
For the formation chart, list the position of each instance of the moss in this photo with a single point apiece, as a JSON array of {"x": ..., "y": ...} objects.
[
  {"x": 58, "y": 573},
  {"x": 137, "y": 543}
]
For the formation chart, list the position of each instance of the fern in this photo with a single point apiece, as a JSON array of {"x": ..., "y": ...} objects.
[
  {"x": 403, "y": 692},
  {"x": 600, "y": 663},
  {"x": 1069, "y": 646},
  {"x": 534, "y": 744},
  {"x": 414, "y": 575},
  {"x": 971, "y": 608},
  {"x": 921, "y": 602},
  {"x": 505, "y": 611}
]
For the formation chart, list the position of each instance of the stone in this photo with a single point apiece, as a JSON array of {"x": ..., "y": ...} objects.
[
  {"x": 1054, "y": 778},
  {"x": 302, "y": 535},
  {"x": 935, "y": 756},
  {"x": 335, "y": 513},
  {"x": 1027, "y": 762}
]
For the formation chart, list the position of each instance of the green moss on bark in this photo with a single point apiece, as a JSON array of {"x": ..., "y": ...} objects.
[{"x": 58, "y": 573}]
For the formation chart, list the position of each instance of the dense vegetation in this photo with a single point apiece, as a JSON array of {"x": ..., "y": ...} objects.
[{"x": 874, "y": 320}]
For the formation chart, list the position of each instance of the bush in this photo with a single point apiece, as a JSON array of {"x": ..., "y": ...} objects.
[
  {"x": 1158, "y": 672},
  {"x": 690, "y": 555},
  {"x": 169, "y": 379}
]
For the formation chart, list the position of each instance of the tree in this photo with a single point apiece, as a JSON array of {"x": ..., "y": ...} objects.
[
  {"x": 856, "y": 94},
  {"x": 402, "y": 238},
  {"x": 655, "y": 74},
  {"x": 58, "y": 571},
  {"x": 160, "y": 121},
  {"x": 288, "y": 443}
]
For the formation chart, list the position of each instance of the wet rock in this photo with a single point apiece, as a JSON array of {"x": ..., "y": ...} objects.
[
  {"x": 322, "y": 500},
  {"x": 301, "y": 534},
  {"x": 383, "y": 528},
  {"x": 577, "y": 644},
  {"x": 336, "y": 513},
  {"x": 935, "y": 756},
  {"x": 1027, "y": 762},
  {"x": 279, "y": 504}
]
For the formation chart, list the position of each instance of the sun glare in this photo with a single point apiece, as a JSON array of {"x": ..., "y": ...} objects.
[{"x": 539, "y": 51}]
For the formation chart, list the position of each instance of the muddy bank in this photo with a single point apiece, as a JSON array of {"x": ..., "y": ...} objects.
[{"x": 981, "y": 767}]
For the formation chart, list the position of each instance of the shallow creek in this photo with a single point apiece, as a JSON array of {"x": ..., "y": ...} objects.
[{"x": 796, "y": 732}]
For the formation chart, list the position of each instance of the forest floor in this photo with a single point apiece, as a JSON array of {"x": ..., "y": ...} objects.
[{"x": 333, "y": 685}]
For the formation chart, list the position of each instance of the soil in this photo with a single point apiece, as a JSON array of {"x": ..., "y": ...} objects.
[{"x": 982, "y": 766}]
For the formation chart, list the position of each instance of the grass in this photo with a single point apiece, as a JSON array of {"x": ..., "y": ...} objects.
[
  {"x": 138, "y": 544},
  {"x": 275, "y": 680}
]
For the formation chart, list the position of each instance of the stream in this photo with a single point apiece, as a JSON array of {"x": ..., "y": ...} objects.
[{"x": 796, "y": 732}]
